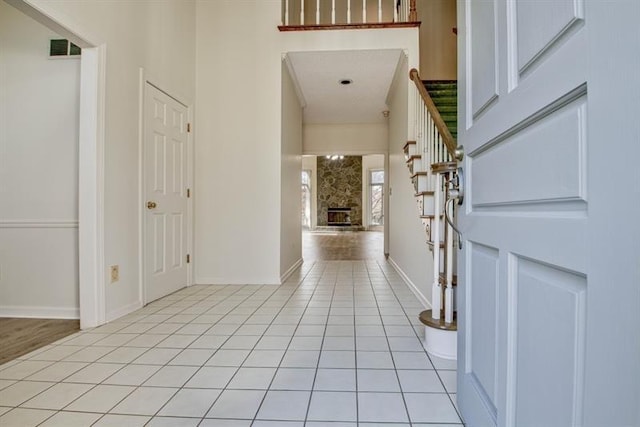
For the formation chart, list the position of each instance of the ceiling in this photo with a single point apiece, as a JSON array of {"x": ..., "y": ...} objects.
[{"x": 318, "y": 76}]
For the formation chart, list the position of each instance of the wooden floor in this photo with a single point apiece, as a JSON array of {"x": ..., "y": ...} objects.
[
  {"x": 342, "y": 245},
  {"x": 20, "y": 336}
]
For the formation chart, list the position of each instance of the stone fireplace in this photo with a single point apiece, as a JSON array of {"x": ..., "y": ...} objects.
[
  {"x": 340, "y": 191},
  {"x": 339, "y": 216}
]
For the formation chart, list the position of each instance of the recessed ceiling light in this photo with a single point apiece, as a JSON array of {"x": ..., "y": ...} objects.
[{"x": 346, "y": 82}]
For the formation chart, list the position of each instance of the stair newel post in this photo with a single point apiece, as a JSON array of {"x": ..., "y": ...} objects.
[
  {"x": 348, "y": 11},
  {"x": 317, "y": 12},
  {"x": 301, "y": 12},
  {"x": 379, "y": 11},
  {"x": 448, "y": 293},
  {"x": 436, "y": 290},
  {"x": 395, "y": 10}
]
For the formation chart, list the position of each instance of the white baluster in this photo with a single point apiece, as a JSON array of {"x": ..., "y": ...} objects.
[
  {"x": 333, "y": 12},
  {"x": 317, "y": 12},
  {"x": 379, "y": 10},
  {"x": 436, "y": 290},
  {"x": 301, "y": 12},
  {"x": 395, "y": 10},
  {"x": 286, "y": 12},
  {"x": 432, "y": 156},
  {"x": 448, "y": 292},
  {"x": 348, "y": 11},
  {"x": 364, "y": 11}
]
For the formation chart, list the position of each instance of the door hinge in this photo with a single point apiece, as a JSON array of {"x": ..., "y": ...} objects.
[
  {"x": 188, "y": 258},
  {"x": 188, "y": 127},
  {"x": 188, "y": 193}
]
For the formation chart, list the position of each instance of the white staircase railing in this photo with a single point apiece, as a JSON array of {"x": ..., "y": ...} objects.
[
  {"x": 433, "y": 159},
  {"x": 327, "y": 12}
]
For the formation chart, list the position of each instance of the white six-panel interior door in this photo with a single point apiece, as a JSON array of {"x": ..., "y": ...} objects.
[
  {"x": 165, "y": 157},
  {"x": 549, "y": 300}
]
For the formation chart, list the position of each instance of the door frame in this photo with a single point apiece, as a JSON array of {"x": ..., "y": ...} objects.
[
  {"x": 91, "y": 276},
  {"x": 145, "y": 79}
]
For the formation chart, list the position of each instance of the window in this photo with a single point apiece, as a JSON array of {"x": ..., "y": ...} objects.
[
  {"x": 306, "y": 198},
  {"x": 376, "y": 185}
]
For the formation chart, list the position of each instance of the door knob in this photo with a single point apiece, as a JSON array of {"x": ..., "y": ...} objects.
[{"x": 151, "y": 205}]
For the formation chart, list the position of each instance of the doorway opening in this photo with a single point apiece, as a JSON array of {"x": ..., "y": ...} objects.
[{"x": 342, "y": 210}]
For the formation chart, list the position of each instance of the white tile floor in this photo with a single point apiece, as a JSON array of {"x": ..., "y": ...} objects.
[{"x": 337, "y": 345}]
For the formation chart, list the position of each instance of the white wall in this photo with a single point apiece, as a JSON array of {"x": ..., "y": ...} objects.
[
  {"x": 157, "y": 36},
  {"x": 39, "y": 120},
  {"x": 408, "y": 250},
  {"x": 290, "y": 194},
  {"x": 311, "y": 163},
  {"x": 350, "y": 138},
  {"x": 438, "y": 42},
  {"x": 238, "y": 156},
  {"x": 238, "y": 115},
  {"x": 369, "y": 163}
]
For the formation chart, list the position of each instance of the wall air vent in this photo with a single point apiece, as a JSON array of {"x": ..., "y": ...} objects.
[{"x": 60, "y": 48}]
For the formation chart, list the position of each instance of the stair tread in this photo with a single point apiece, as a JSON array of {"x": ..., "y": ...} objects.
[
  {"x": 427, "y": 320},
  {"x": 419, "y": 173}
]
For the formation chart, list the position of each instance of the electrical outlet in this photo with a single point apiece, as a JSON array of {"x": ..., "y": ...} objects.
[{"x": 115, "y": 273}]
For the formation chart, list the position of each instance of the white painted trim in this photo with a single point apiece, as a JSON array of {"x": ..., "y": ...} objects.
[
  {"x": 91, "y": 187},
  {"x": 191, "y": 178},
  {"x": 39, "y": 312},
  {"x": 291, "y": 270},
  {"x": 294, "y": 78},
  {"x": 38, "y": 223},
  {"x": 410, "y": 284},
  {"x": 142, "y": 294},
  {"x": 123, "y": 311}
]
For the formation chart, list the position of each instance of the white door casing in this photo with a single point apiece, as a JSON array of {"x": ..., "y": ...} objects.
[
  {"x": 548, "y": 274},
  {"x": 165, "y": 194}
]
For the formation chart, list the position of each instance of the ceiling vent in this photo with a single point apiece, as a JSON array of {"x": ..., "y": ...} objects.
[{"x": 60, "y": 48}]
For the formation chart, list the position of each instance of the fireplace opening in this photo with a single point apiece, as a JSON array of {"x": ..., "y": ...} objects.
[{"x": 339, "y": 216}]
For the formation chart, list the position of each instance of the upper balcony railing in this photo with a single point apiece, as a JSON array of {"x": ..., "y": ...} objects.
[{"x": 346, "y": 14}]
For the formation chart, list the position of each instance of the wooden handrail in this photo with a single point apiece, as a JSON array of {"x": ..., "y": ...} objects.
[{"x": 447, "y": 138}]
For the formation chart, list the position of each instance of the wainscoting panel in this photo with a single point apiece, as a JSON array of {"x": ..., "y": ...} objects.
[{"x": 39, "y": 269}]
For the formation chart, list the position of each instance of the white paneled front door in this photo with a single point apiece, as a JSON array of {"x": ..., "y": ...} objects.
[
  {"x": 165, "y": 157},
  {"x": 549, "y": 288}
]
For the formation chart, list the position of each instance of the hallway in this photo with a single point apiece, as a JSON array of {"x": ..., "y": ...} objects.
[
  {"x": 342, "y": 245},
  {"x": 338, "y": 345}
]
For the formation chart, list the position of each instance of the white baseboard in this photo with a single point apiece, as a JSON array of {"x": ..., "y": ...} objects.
[
  {"x": 123, "y": 311},
  {"x": 40, "y": 312},
  {"x": 291, "y": 269},
  {"x": 410, "y": 284}
]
